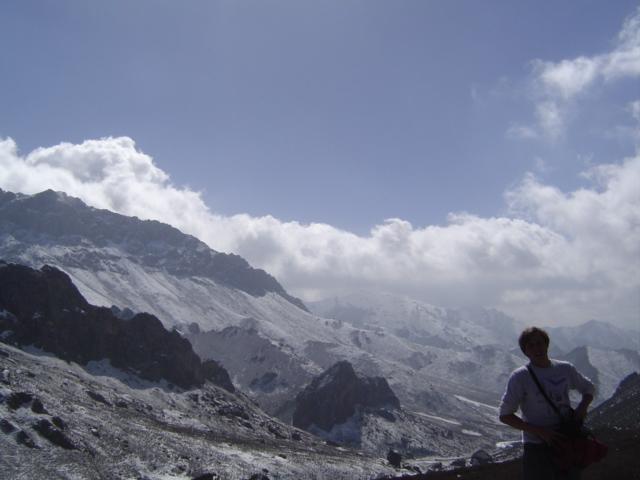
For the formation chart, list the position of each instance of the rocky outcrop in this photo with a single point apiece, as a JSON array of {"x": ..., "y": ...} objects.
[
  {"x": 622, "y": 410},
  {"x": 335, "y": 395},
  {"x": 44, "y": 309}
]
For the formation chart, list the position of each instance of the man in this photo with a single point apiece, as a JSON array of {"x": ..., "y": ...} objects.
[{"x": 539, "y": 420}]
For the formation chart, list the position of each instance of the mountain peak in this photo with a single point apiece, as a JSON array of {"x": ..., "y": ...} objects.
[{"x": 336, "y": 394}]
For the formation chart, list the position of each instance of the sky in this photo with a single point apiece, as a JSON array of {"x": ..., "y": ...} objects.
[{"x": 462, "y": 153}]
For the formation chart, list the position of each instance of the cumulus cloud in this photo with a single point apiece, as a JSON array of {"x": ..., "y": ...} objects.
[
  {"x": 558, "y": 257},
  {"x": 559, "y": 84}
]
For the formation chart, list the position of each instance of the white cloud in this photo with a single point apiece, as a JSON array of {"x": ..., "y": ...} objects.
[
  {"x": 568, "y": 78},
  {"x": 559, "y": 257},
  {"x": 550, "y": 119},
  {"x": 520, "y": 132},
  {"x": 634, "y": 108},
  {"x": 560, "y": 84}
]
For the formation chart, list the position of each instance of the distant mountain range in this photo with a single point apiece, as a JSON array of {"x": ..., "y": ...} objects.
[{"x": 597, "y": 334}]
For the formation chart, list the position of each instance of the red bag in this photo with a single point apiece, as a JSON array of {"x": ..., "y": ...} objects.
[{"x": 579, "y": 452}]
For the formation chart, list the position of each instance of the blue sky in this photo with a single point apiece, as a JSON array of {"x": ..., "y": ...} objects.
[{"x": 341, "y": 114}]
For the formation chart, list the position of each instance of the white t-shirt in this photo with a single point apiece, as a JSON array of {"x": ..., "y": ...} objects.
[{"x": 523, "y": 393}]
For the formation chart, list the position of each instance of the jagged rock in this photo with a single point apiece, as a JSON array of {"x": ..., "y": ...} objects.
[
  {"x": 481, "y": 457},
  {"x": 52, "y": 315},
  {"x": 394, "y": 458},
  {"x": 58, "y": 422},
  {"x": 5, "y": 376},
  {"x": 386, "y": 414},
  {"x": 232, "y": 410},
  {"x": 206, "y": 476},
  {"x": 38, "y": 407},
  {"x": 6, "y": 426},
  {"x": 24, "y": 439},
  {"x": 334, "y": 396},
  {"x": 276, "y": 431},
  {"x": 19, "y": 399},
  {"x": 217, "y": 374},
  {"x": 460, "y": 462},
  {"x": 54, "y": 435},
  {"x": 123, "y": 314},
  {"x": 258, "y": 476},
  {"x": 98, "y": 397}
]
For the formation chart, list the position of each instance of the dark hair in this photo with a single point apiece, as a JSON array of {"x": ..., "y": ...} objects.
[{"x": 529, "y": 332}]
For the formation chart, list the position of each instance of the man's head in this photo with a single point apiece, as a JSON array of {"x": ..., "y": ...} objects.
[
  {"x": 529, "y": 334},
  {"x": 534, "y": 343}
]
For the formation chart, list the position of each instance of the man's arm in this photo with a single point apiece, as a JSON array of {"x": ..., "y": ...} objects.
[
  {"x": 585, "y": 387},
  {"x": 581, "y": 409},
  {"x": 548, "y": 435}
]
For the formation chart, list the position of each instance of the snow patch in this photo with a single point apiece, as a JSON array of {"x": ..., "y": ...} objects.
[
  {"x": 434, "y": 417},
  {"x": 477, "y": 404}
]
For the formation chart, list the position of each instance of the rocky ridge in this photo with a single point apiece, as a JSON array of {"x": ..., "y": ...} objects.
[
  {"x": 63, "y": 220},
  {"x": 44, "y": 309}
]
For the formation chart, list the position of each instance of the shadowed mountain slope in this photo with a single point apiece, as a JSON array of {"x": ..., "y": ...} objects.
[{"x": 44, "y": 309}]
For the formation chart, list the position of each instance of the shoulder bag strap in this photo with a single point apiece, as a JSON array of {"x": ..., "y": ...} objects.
[{"x": 535, "y": 379}]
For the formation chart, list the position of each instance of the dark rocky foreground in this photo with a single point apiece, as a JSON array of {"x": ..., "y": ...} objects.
[{"x": 621, "y": 463}]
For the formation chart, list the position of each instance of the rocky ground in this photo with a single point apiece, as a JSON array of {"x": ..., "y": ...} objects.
[
  {"x": 59, "y": 420},
  {"x": 621, "y": 463}
]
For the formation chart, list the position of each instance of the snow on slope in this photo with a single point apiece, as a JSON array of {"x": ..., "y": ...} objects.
[
  {"x": 425, "y": 324},
  {"x": 612, "y": 366},
  {"x": 109, "y": 424}
]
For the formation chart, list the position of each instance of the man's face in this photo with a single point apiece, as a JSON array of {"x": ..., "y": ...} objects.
[{"x": 536, "y": 349}]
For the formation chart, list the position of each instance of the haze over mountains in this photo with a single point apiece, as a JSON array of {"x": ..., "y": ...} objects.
[{"x": 447, "y": 367}]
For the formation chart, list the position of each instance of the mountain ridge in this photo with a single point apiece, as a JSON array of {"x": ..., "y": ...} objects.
[{"x": 69, "y": 221}]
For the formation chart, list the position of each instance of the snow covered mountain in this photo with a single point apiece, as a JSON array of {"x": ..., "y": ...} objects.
[
  {"x": 234, "y": 314},
  {"x": 605, "y": 367},
  {"x": 602, "y": 351},
  {"x": 595, "y": 334},
  {"x": 422, "y": 323},
  {"x": 448, "y": 366}
]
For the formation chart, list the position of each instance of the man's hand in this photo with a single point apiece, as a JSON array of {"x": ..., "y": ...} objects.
[
  {"x": 581, "y": 409},
  {"x": 549, "y": 436}
]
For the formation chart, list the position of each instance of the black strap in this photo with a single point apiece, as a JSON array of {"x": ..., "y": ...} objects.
[{"x": 535, "y": 379}]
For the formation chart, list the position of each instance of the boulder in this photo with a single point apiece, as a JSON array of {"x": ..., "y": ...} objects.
[
  {"x": 394, "y": 458},
  {"x": 19, "y": 399},
  {"x": 53, "y": 434},
  {"x": 24, "y": 439},
  {"x": 481, "y": 457},
  {"x": 6, "y": 426}
]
